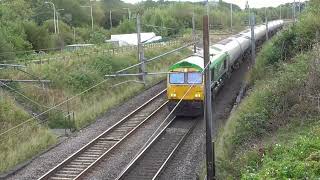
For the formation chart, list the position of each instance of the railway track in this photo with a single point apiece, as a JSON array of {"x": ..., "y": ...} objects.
[
  {"x": 152, "y": 160},
  {"x": 79, "y": 163}
]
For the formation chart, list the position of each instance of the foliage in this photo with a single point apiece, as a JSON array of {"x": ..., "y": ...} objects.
[
  {"x": 282, "y": 84},
  {"x": 38, "y": 36},
  {"x": 125, "y": 27},
  {"x": 30, "y": 139},
  {"x": 272, "y": 104},
  {"x": 297, "y": 38},
  {"x": 69, "y": 78},
  {"x": 29, "y": 25},
  {"x": 296, "y": 156}
]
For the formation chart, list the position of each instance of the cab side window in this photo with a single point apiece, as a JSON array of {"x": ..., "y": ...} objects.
[{"x": 225, "y": 64}]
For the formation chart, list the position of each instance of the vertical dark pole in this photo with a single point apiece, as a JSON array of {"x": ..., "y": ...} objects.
[
  {"x": 248, "y": 9},
  {"x": 231, "y": 16},
  {"x": 299, "y": 7},
  {"x": 73, "y": 122},
  {"x": 194, "y": 33},
  {"x": 280, "y": 11},
  {"x": 91, "y": 16},
  {"x": 74, "y": 35},
  {"x": 294, "y": 11},
  {"x": 267, "y": 27},
  {"x": 208, "y": 102},
  {"x": 142, "y": 68},
  {"x": 67, "y": 117},
  {"x": 110, "y": 16},
  {"x": 253, "y": 40}
]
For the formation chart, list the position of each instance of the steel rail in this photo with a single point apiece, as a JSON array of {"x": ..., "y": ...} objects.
[
  {"x": 149, "y": 146},
  {"x": 51, "y": 173},
  {"x": 165, "y": 163},
  {"x": 130, "y": 166},
  {"x": 124, "y": 138}
]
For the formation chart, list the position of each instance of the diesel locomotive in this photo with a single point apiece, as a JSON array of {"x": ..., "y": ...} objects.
[{"x": 185, "y": 80}]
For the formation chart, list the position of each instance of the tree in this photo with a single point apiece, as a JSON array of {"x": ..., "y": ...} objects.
[{"x": 38, "y": 36}]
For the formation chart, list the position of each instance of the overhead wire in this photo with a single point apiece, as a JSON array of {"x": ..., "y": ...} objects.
[
  {"x": 40, "y": 104},
  {"x": 169, "y": 115},
  {"x": 51, "y": 108},
  {"x": 59, "y": 104},
  {"x": 21, "y": 94},
  {"x": 54, "y": 107}
]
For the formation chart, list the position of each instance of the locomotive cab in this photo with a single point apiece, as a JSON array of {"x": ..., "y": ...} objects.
[{"x": 185, "y": 84}]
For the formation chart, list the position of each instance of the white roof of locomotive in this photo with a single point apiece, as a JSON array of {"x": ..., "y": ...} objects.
[{"x": 195, "y": 59}]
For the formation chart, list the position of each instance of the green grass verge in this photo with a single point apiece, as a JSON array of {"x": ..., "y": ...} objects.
[
  {"x": 271, "y": 104},
  {"x": 24, "y": 142},
  {"x": 292, "y": 153},
  {"x": 285, "y": 86},
  {"x": 76, "y": 75},
  {"x": 69, "y": 78}
]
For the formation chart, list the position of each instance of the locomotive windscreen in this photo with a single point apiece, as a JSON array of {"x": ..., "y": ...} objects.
[
  {"x": 194, "y": 78},
  {"x": 176, "y": 78}
]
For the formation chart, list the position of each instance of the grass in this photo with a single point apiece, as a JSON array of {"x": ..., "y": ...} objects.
[
  {"x": 74, "y": 76},
  {"x": 293, "y": 152},
  {"x": 26, "y": 141},
  {"x": 271, "y": 104},
  {"x": 68, "y": 79},
  {"x": 281, "y": 105}
]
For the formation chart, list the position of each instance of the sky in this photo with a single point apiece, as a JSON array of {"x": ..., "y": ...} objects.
[{"x": 241, "y": 3}]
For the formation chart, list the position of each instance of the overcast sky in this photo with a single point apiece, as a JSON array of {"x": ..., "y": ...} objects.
[{"x": 241, "y": 3}]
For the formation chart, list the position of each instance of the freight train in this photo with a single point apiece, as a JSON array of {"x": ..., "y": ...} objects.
[{"x": 185, "y": 80}]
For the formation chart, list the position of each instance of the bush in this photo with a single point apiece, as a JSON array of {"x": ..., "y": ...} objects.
[
  {"x": 125, "y": 27},
  {"x": 102, "y": 65},
  {"x": 82, "y": 79},
  {"x": 296, "y": 156},
  {"x": 272, "y": 104},
  {"x": 6, "y": 50},
  {"x": 99, "y": 36},
  {"x": 281, "y": 80},
  {"x": 38, "y": 36},
  {"x": 24, "y": 142}
]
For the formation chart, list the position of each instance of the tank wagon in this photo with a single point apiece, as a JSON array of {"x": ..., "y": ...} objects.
[{"x": 185, "y": 80}]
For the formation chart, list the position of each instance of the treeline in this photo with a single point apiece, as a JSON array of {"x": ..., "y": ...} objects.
[{"x": 28, "y": 25}]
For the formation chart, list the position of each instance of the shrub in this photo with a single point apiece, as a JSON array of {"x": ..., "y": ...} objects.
[
  {"x": 38, "y": 36},
  {"x": 272, "y": 103},
  {"x": 125, "y": 27},
  {"x": 82, "y": 79},
  {"x": 296, "y": 156},
  {"x": 24, "y": 142},
  {"x": 6, "y": 49}
]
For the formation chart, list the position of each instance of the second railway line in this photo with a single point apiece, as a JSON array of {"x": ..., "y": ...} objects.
[{"x": 85, "y": 159}]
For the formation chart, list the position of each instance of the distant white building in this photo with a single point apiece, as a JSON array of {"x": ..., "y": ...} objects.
[{"x": 132, "y": 39}]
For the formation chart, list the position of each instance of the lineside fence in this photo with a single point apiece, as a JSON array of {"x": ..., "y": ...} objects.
[
  {"x": 81, "y": 53},
  {"x": 65, "y": 109}
]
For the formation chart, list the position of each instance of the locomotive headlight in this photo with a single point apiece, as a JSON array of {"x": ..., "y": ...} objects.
[
  {"x": 197, "y": 95},
  {"x": 173, "y": 95}
]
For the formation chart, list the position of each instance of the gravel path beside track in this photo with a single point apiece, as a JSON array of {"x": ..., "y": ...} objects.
[{"x": 48, "y": 160}]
